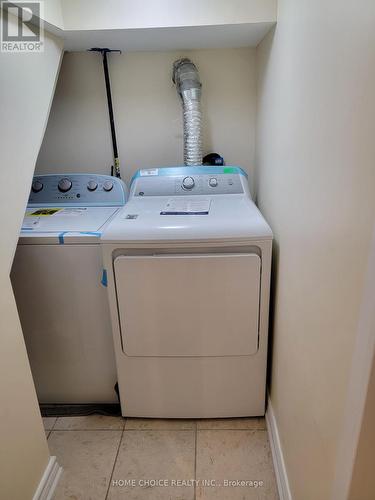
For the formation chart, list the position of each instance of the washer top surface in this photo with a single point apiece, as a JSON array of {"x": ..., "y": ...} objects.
[
  {"x": 52, "y": 220},
  {"x": 188, "y": 204},
  {"x": 70, "y": 206}
]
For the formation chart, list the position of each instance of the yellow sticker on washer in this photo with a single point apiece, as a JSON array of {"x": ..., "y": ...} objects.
[{"x": 41, "y": 212}]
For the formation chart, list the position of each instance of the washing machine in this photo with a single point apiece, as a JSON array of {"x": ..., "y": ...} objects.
[
  {"x": 59, "y": 286},
  {"x": 188, "y": 261}
]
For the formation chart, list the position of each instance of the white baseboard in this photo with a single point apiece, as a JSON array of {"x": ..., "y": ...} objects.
[
  {"x": 49, "y": 481},
  {"x": 277, "y": 455}
]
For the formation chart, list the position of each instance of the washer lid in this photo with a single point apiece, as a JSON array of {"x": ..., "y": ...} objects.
[{"x": 44, "y": 222}]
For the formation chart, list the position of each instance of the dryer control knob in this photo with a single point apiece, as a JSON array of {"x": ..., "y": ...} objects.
[
  {"x": 108, "y": 185},
  {"x": 92, "y": 185},
  {"x": 64, "y": 185},
  {"x": 212, "y": 182},
  {"x": 37, "y": 186},
  {"x": 188, "y": 183}
]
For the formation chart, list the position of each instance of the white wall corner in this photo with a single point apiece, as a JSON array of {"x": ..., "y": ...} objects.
[
  {"x": 49, "y": 481},
  {"x": 277, "y": 454},
  {"x": 363, "y": 356}
]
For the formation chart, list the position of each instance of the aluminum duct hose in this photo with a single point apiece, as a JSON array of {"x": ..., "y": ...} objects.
[{"x": 186, "y": 78}]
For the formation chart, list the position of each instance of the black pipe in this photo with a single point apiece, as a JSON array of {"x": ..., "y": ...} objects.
[{"x": 104, "y": 53}]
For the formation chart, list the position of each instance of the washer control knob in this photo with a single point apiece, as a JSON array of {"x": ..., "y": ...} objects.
[
  {"x": 92, "y": 185},
  {"x": 108, "y": 186},
  {"x": 64, "y": 184},
  {"x": 36, "y": 186},
  {"x": 188, "y": 183},
  {"x": 212, "y": 182}
]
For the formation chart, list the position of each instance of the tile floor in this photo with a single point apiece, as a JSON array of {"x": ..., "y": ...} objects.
[{"x": 111, "y": 458}]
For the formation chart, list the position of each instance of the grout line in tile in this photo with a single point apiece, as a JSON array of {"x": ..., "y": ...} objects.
[
  {"x": 114, "y": 464},
  {"x": 232, "y": 429},
  {"x": 51, "y": 429},
  {"x": 55, "y": 422},
  {"x": 91, "y": 429},
  {"x": 195, "y": 428},
  {"x": 159, "y": 430},
  {"x": 195, "y": 460}
]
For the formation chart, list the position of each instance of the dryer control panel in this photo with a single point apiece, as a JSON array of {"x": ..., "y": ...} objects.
[
  {"x": 174, "y": 181},
  {"x": 77, "y": 190}
]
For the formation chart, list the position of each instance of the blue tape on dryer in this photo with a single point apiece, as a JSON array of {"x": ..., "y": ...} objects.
[
  {"x": 91, "y": 233},
  {"x": 104, "y": 280},
  {"x": 86, "y": 233},
  {"x": 184, "y": 170},
  {"x": 61, "y": 237}
]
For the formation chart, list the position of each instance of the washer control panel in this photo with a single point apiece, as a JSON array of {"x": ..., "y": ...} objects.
[
  {"x": 77, "y": 190},
  {"x": 185, "y": 183}
]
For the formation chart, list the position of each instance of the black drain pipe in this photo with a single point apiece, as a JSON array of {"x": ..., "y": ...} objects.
[{"x": 104, "y": 53}]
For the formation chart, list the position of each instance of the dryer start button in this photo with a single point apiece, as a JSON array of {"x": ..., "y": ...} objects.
[{"x": 188, "y": 183}]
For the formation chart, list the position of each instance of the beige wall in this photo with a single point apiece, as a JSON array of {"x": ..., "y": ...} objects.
[
  {"x": 26, "y": 88},
  {"x": 316, "y": 186},
  {"x": 363, "y": 478},
  {"x": 148, "y": 112},
  {"x": 53, "y": 13}
]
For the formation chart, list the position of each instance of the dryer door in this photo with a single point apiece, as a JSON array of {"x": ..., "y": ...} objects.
[{"x": 188, "y": 305}]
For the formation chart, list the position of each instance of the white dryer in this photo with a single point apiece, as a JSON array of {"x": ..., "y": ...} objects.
[
  {"x": 59, "y": 287},
  {"x": 188, "y": 262}
]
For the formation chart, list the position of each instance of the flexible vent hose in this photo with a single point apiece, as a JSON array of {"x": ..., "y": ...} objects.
[{"x": 186, "y": 78}]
